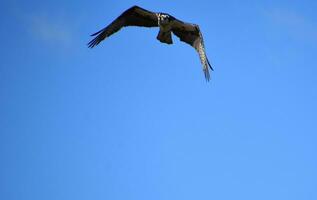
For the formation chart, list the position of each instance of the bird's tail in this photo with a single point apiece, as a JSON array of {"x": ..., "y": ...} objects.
[{"x": 165, "y": 37}]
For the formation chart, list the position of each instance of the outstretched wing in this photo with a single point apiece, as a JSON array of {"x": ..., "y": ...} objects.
[
  {"x": 190, "y": 33},
  {"x": 134, "y": 16}
]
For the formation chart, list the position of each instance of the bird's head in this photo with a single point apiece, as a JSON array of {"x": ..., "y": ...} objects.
[{"x": 163, "y": 19}]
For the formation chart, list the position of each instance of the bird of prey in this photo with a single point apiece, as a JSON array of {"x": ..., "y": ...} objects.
[{"x": 137, "y": 16}]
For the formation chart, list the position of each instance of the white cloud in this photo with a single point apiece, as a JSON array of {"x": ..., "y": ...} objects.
[
  {"x": 50, "y": 31},
  {"x": 295, "y": 23}
]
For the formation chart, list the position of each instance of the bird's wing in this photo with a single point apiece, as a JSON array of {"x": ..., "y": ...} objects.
[
  {"x": 134, "y": 16},
  {"x": 190, "y": 33}
]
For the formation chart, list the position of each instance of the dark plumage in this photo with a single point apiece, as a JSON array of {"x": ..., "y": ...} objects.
[{"x": 136, "y": 16}]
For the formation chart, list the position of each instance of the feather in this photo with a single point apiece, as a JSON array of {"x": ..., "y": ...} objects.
[{"x": 134, "y": 16}]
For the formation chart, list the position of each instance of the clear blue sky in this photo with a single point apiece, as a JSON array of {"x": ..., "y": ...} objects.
[{"x": 134, "y": 119}]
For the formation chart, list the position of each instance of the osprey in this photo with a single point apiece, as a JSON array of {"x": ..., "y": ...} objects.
[{"x": 137, "y": 16}]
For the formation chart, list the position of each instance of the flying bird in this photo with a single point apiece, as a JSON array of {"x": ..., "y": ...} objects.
[{"x": 137, "y": 16}]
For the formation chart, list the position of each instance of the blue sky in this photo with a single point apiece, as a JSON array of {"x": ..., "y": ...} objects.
[{"x": 135, "y": 119}]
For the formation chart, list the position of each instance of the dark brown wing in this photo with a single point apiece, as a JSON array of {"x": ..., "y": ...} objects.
[
  {"x": 134, "y": 16},
  {"x": 190, "y": 33}
]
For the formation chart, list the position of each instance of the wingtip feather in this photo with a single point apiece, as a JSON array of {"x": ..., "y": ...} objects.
[
  {"x": 210, "y": 65},
  {"x": 207, "y": 74},
  {"x": 94, "y": 34}
]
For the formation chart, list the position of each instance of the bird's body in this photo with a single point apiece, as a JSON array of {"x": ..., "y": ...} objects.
[
  {"x": 165, "y": 23},
  {"x": 136, "y": 16}
]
